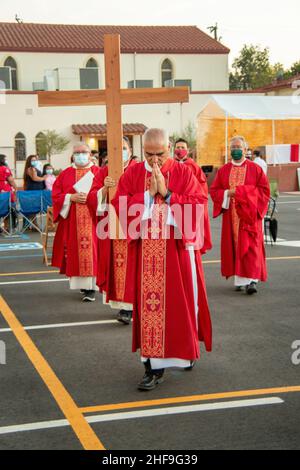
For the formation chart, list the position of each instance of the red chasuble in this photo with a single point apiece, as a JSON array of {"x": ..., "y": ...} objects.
[
  {"x": 165, "y": 324},
  {"x": 242, "y": 243},
  {"x": 113, "y": 275},
  {"x": 75, "y": 243},
  {"x": 197, "y": 171}
]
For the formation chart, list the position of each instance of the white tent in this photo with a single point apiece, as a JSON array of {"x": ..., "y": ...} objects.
[{"x": 251, "y": 107}]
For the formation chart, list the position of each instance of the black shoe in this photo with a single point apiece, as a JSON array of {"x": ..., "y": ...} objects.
[
  {"x": 251, "y": 288},
  {"x": 151, "y": 379},
  {"x": 124, "y": 316},
  {"x": 89, "y": 296},
  {"x": 238, "y": 289},
  {"x": 191, "y": 366},
  {"x": 82, "y": 291}
]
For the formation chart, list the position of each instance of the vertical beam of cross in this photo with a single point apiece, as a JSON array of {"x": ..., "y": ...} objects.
[{"x": 113, "y": 107}]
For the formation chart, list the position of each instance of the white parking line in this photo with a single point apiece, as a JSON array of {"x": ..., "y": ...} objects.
[
  {"x": 40, "y": 281},
  {"x": 145, "y": 414},
  {"x": 62, "y": 325},
  {"x": 289, "y": 202}
]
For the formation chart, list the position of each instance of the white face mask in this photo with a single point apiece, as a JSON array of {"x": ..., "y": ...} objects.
[{"x": 81, "y": 159}]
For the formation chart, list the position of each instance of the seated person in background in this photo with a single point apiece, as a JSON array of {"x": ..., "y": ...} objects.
[
  {"x": 48, "y": 171},
  {"x": 7, "y": 184},
  {"x": 33, "y": 177}
]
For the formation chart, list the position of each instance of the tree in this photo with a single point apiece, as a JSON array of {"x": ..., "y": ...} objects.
[
  {"x": 51, "y": 143},
  {"x": 295, "y": 69},
  {"x": 278, "y": 72},
  {"x": 252, "y": 69}
]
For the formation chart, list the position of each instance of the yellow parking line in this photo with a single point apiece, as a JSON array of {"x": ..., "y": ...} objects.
[
  {"x": 28, "y": 273},
  {"x": 189, "y": 399},
  {"x": 80, "y": 426}
]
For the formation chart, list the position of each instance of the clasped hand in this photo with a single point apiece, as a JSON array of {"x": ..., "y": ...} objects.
[{"x": 158, "y": 184}]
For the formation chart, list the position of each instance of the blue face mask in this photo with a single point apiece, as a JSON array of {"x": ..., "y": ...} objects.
[
  {"x": 125, "y": 155},
  {"x": 49, "y": 172},
  {"x": 35, "y": 163},
  {"x": 81, "y": 159}
]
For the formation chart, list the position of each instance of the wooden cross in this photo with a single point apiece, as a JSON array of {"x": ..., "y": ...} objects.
[{"x": 113, "y": 97}]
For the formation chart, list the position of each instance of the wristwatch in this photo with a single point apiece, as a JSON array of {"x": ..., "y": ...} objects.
[{"x": 169, "y": 194}]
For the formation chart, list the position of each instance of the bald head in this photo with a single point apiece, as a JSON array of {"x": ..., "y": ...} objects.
[
  {"x": 156, "y": 146},
  {"x": 156, "y": 135}
]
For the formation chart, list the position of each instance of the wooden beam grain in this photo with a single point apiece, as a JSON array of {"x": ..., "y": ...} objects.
[
  {"x": 71, "y": 98},
  {"x": 154, "y": 95}
]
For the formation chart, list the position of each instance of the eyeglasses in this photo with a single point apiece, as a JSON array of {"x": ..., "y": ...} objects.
[{"x": 160, "y": 154}]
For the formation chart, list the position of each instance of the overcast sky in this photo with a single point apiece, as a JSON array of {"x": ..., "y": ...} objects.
[{"x": 265, "y": 22}]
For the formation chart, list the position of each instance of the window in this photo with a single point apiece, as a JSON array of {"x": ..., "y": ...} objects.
[
  {"x": 140, "y": 84},
  {"x": 166, "y": 71},
  {"x": 20, "y": 147},
  {"x": 91, "y": 63},
  {"x": 89, "y": 76},
  {"x": 40, "y": 151},
  {"x": 10, "y": 62},
  {"x": 183, "y": 83},
  {"x": 5, "y": 78}
]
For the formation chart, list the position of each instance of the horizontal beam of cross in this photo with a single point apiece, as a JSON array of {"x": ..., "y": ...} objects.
[{"x": 128, "y": 96}]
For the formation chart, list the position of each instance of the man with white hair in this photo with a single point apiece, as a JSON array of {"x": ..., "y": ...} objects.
[
  {"x": 241, "y": 193},
  {"x": 75, "y": 243},
  {"x": 171, "y": 313}
]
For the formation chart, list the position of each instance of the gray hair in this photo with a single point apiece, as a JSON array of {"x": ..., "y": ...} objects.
[
  {"x": 157, "y": 135},
  {"x": 80, "y": 144},
  {"x": 241, "y": 139}
]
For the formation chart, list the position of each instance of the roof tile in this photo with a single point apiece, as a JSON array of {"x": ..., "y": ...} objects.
[
  {"x": 100, "y": 129},
  {"x": 36, "y": 37}
]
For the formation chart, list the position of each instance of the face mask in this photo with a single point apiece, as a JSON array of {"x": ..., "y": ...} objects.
[
  {"x": 237, "y": 154},
  {"x": 35, "y": 163},
  {"x": 180, "y": 153},
  {"x": 81, "y": 159},
  {"x": 125, "y": 155},
  {"x": 49, "y": 172}
]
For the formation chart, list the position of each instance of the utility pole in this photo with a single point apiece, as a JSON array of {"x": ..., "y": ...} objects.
[
  {"x": 18, "y": 20},
  {"x": 214, "y": 30}
]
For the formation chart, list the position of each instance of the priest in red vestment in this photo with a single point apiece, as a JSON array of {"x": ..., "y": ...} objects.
[
  {"x": 114, "y": 279},
  {"x": 181, "y": 155},
  {"x": 75, "y": 243},
  {"x": 170, "y": 314},
  {"x": 241, "y": 193}
]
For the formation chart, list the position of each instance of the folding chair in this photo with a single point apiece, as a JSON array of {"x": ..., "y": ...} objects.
[
  {"x": 268, "y": 220},
  {"x": 5, "y": 212},
  {"x": 50, "y": 230},
  {"x": 30, "y": 203}
]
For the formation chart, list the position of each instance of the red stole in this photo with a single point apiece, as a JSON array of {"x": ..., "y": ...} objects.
[
  {"x": 153, "y": 291},
  {"x": 84, "y": 227},
  {"x": 236, "y": 178}
]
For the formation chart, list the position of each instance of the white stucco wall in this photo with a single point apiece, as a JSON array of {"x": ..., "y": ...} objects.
[
  {"x": 207, "y": 71},
  {"x": 20, "y": 113}
]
